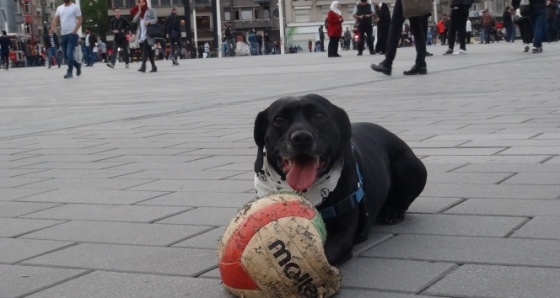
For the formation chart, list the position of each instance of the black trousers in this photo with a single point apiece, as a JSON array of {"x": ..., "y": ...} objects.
[
  {"x": 333, "y": 46},
  {"x": 526, "y": 30},
  {"x": 147, "y": 52},
  {"x": 382, "y": 35},
  {"x": 365, "y": 30},
  {"x": 175, "y": 44},
  {"x": 459, "y": 16},
  {"x": 416, "y": 27},
  {"x": 123, "y": 44}
]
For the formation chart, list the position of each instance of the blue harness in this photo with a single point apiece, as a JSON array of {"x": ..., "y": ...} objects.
[{"x": 347, "y": 204}]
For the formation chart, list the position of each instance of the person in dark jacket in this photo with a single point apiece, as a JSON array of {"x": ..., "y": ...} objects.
[
  {"x": 322, "y": 38},
  {"x": 363, "y": 13},
  {"x": 51, "y": 43},
  {"x": 508, "y": 24},
  {"x": 383, "y": 17},
  {"x": 119, "y": 26},
  {"x": 173, "y": 32},
  {"x": 5, "y": 45},
  {"x": 458, "y": 24},
  {"x": 537, "y": 17},
  {"x": 551, "y": 15}
]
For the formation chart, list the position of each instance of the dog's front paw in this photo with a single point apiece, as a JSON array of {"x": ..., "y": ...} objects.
[{"x": 391, "y": 216}]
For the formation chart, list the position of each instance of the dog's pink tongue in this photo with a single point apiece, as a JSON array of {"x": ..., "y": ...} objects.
[{"x": 302, "y": 175}]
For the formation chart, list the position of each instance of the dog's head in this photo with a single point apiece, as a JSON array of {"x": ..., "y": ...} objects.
[{"x": 303, "y": 138}]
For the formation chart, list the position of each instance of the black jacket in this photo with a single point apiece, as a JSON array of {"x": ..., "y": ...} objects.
[
  {"x": 172, "y": 23},
  {"x": 47, "y": 40},
  {"x": 121, "y": 24},
  {"x": 384, "y": 14}
]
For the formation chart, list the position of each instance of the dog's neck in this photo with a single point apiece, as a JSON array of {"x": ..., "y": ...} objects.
[{"x": 267, "y": 181}]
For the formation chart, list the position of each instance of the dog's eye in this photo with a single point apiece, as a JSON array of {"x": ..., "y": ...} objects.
[
  {"x": 320, "y": 116},
  {"x": 279, "y": 121}
]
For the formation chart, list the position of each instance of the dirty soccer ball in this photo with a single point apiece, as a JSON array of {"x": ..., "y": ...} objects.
[{"x": 274, "y": 248}]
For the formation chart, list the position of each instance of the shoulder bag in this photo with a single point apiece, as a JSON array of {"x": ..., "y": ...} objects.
[
  {"x": 155, "y": 31},
  {"x": 416, "y": 8}
]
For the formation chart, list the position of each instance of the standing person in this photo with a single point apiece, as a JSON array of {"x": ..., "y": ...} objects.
[
  {"x": 102, "y": 50},
  {"x": 253, "y": 42},
  {"x": 206, "y": 50},
  {"x": 347, "y": 38},
  {"x": 334, "y": 28},
  {"x": 119, "y": 26},
  {"x": 5, "y": 45},
  {"x": 458, "y": 24},
  {"x": 551, "y": 15},
  {"x": 266, "y": 39},
  {"x": 51, "y": 43},
  {"x": 260, "y": 42},
  {"x": 486, "y": 21},
  {"x": 89, "y": 43},
  {"x": 469, "y": 31},
  {"x": 322, "y": 38},
  {"x": 363, "y": 13},
  {"x": 173, "y": 32},
  {"x": 310, "y": 45},
  {"x": 70, "y": 18},
  {"x": 441, "y": 29},
  {"x": 419, "y": 33},
  {"x": 145, "y": 16},
  {"x": 383, "y": 23},
  {"x": 508, "y": 25}
]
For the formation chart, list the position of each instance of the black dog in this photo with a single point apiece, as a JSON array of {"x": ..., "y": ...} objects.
[{"x": 355, "y": 174}]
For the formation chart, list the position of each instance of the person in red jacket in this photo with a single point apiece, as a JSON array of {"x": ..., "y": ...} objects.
[{"x": 334, "y": 28}]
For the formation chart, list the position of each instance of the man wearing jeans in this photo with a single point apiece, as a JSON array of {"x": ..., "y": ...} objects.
[
  {"x": 51, "y": 43},
  {"x": 70, "y": 21}
]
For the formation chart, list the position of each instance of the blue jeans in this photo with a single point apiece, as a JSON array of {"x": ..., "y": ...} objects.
[
  {"x": 50, "y": 53},
  {"x": 225, "y": 49},
  {"x": 538, "y": 18},
  {"x": 68, "y": 43},
  {"x": 88, "y": 55}
]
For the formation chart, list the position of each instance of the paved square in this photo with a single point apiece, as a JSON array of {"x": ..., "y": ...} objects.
[{"x": 119, "y": 183}]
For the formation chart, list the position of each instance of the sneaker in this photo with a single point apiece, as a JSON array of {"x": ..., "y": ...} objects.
[
  {"x": 111, "y": 65},
  {"x": 537, "y": 50},
  {"x": 460, "y": 52},
  {"x": 448, "y": 52},
  {"x": 526, "y": 48}
]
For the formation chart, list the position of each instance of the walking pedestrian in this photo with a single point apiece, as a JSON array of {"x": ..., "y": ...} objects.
[
  {"x": 52, "y": 44},
  {"x": 383, "y": 22},
  {"x": 419, "y": 33},
  {"x": 70, "y": 17},
  {"x": 89, "y": 44},
  {"x": 458, "y": 24},
  {"x": 363, "y": 13},
  {"x": 120, "y": 27},
  {"x": 5, "y": 45},
  {"x": 173, "y": 32},
  {"x": 145, "y": 16}
]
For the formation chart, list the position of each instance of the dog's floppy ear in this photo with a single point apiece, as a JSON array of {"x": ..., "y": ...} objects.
[
  {"x": 343, "y": 122},
  {"x": 259, "y": 133}
]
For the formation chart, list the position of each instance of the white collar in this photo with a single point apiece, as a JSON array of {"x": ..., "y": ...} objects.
[{"x": 269, "y": 181}]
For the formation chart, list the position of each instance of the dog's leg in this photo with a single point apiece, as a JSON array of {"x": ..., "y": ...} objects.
[{"x": 408, "y": 178}]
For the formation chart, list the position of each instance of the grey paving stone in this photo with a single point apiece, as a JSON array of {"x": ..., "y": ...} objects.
[
  {"x": 398, "y": 275},
  {"x": 86, "y": 183},
  {"x": 140, "y": 259},
  {"x": 432, "y": 205},
  {"x": 12, "y": 227},
  {"x": 118, "y": 233},
  {"x": 142, "y": 151},
  {"x": 510, "y": 168},
  {"x": 18, "y": 181},
  {"x": 15, "y": 250},
  {"x": 507, "y": 207},
  {"x": 9, "y": 194},
  {"x": 20, "y": 173},
  {"x": 14, "y": 209},
  {"x": 486, "y": 159},
  {"x": 497, "y": 251},
  {"x": 75, "y": 165},
  {"x": 479, "y": 226},
  {"x": 492, "y": 191},
  {"x": 181, "y": 174},
  {"x": 486, "y": 178},
  {"x": 207, "y": 240},
  {"x": 457, "y": 151},
  {"x": 202, "y": 199},
  {"x": 81, "y": 174},
  {"x": 355, "y": 293},
  {"x": 531, "y": 151},
  {"x": 482, "y": 137},
  {"x": 540, "y": 228},
  {"x": 17, "y": 281},
  {"x": 93, "y": 196},
  {"x": 204, "y": 216},
  {"x": 196, "y": 185},
  {"x": 498, "y": 281},
  {"x": 108, "y": 212},
  {"x": 101, "y": 284},
  {"x": 534, "y": 178}
]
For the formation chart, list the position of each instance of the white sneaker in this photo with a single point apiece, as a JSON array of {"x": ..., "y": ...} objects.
[
  {"x": 460, "y": 52},
  {"x": 526, "y": 48}
]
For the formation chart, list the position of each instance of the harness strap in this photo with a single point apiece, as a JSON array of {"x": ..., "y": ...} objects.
[{"x": 347, "y": 204}]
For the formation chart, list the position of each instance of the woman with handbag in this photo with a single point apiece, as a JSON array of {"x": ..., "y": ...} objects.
[
  {"x": 145, "y": 16},
  {"x": 334, "y": 28}
]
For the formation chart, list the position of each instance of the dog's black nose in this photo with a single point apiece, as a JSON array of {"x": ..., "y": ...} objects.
[{"x": 301, "y": 139}]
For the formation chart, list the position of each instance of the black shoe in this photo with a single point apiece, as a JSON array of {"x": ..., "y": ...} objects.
[
  {"x": 142, "y": 69},
  {"x": 416, "y": 70},
  {"x": 59, "y": 66},
  {"x": 154, "y": 69},
  {"x": 428, "y": 54},
  {"x": 79, "y": 69},
  {"x": 49, "y": 67},
  {"x": 359, "y": 53},
  {"x": 448, "y": 52},
  {"x": 372, "y": 53},
  {"x": 386, "y": 70},
  {"x": 68, "y": 76}
]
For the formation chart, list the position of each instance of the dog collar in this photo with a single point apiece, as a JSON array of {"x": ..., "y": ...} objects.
[
  {"x": 347, "y": 204},
  {"x": 269, "y": 181}
]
